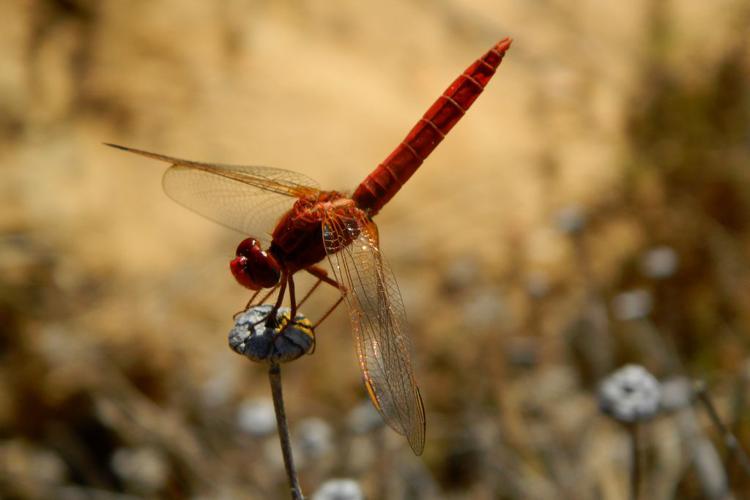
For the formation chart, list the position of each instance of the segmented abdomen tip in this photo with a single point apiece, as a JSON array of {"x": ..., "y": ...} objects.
[{"x": 503, "y": 44}]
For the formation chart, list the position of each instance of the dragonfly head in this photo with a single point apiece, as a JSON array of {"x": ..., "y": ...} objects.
[{"x": 254, "y": 268}]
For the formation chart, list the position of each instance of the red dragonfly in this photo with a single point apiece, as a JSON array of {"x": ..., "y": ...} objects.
[{"x": 308, "y": 224}]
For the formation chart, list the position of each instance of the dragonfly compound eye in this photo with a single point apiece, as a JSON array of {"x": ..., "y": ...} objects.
[{"x": 253, "y": 267}]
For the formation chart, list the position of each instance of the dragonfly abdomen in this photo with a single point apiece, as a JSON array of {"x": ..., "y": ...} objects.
[{"x": 385, "y": 181}]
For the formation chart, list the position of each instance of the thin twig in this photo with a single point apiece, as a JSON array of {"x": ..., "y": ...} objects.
[
  {"x": 635, "y": 469},
  {"x": 730, "y": 441},
  {"x": 274, "y": 375}
]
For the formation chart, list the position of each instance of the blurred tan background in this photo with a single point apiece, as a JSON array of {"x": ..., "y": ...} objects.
[{"x": 592, "y": 209}]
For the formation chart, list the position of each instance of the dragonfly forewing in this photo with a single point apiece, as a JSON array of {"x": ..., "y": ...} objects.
[{"x": 248, "y": 199}]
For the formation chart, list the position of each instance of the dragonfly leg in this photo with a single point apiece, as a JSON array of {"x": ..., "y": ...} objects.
[
  {"x": 328, "y": 313},
  {"x": 271, "y": 318},
  {"x": 292, "y": 299},
  {"x": 247, "y": 306},
  {"x": 251, "y": 302},
  {"x": 294, "y": 306},
  {"x": 309, "y": 293},
  {"x": 322, "y": 275},
  {"x": 270, "y": 292}
]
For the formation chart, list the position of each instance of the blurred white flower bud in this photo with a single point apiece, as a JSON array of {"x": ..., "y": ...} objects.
[
  {"x": 256, "y": 417},
  {"x": 570, "y": 220},
  {"x": 364, "y": 418},
  {"x": 659, "y": 262},
  {"x": 676, "y": 393},
  {"x": 339, "y": 489},
  {"x": 631, "y": 305},
  {"x": 630, "y": 395},
  {"x": 314, "y": 439},
  {"x": 144, "y": 469}
]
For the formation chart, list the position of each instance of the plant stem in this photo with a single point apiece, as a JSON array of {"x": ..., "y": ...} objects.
[
  {"x": 731, "y": 442},
  {"x": 635, "y": 470},
  {"x": 274, "y": 376}
]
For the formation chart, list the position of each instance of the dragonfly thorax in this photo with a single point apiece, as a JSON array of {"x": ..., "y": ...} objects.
[
  {"x": 313, "y": 209},
  {"x": 297, "y": 240},
  {"x": 253, "y": 267}
]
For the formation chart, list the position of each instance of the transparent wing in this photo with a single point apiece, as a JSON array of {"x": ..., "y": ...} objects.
[
  {"x": 378, "y": 322},
  {"x": 248, "y": 199}
]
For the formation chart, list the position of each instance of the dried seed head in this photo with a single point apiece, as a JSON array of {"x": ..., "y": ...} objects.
[
  {"x": 570, "y": 220},
  {"x": 144, "y": 469},
  {"x": 364, "y": 418},
  {"x": 630, "y": 395},
  {"x": 339, "y": 489},
  {"x": 676, "y": 393},
  {"x": 256, "y": 417},
  {"x": 660, "y": 262},
  {"x": 286, "y": 341},
  {"x": 632, "y": 305},
  {"x": 314, "y": 439}
]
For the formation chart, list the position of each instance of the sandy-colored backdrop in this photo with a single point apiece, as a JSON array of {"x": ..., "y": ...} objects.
[{"x": 592, "y": 209}]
